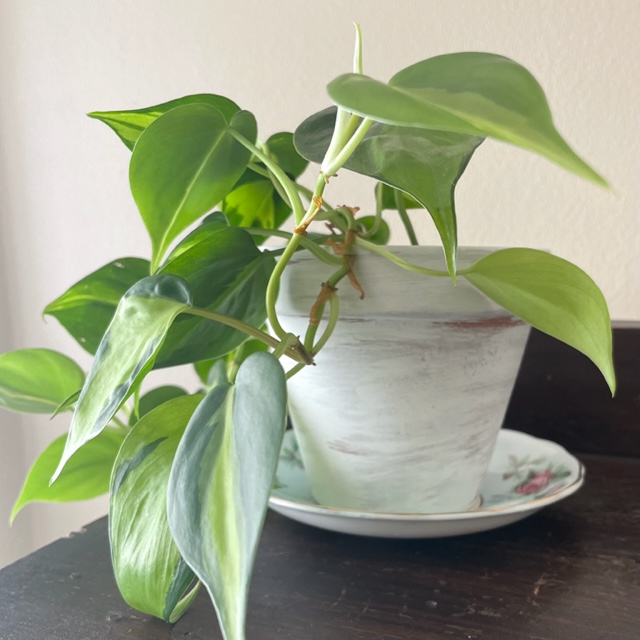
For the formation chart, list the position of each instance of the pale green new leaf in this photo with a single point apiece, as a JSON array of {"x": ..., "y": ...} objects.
[
  {"x": 220, "y": 483},
  {"x": 479, "y": 94},
  {"x": 85, "y": 476},
  {"x": 149, "y": 570},
  {"x": 37, "y": 380},
  {"x": 126, "y": 353},
  {"x": 129, "y": 124},
  {"x": 552, "y": 295},
  {"x": 183, "y": 164}
]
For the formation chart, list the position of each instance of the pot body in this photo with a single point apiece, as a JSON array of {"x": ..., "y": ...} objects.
[{"x": 403, "y": 409}]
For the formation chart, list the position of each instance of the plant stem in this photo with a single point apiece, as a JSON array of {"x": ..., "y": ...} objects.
[
  {"x": 279, "y": 174},
  {"x": 334, "y": 312},
  {"x": 303, "y": 221},
  {"x": 378, "y": 219},
  {"x": 375, "y": 248},
  {"x": 308, "y": 244},
  {"x": 234, "y": 364},
  {"x": 274, "y": 284},
  {"x": 276, "y": 185},
  {"x": 294, "y": 351},
  {"x": 404, "y": 216},
  {"x": 292, "y": 372},
  {"x": 314, "y": 206},
  {"x": 336, "y": 163},
  {"x": 307, "y": 193}
]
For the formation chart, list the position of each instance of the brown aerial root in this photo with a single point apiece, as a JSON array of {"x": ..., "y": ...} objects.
[
  {"x": 325, "y": 293},
  {"x": 353, "y": 280},
  {"x": 344, "y": 249}
]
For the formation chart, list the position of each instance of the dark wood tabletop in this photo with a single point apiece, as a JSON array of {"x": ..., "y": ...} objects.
[{"x": 569, "y": 572}]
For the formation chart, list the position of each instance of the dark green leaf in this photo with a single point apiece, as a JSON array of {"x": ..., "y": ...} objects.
[
  {"x": 151, "y": 574},
  {"x": 85, "y": 476},
  {"x": 129, "y": 124},
  {"x": 220, "y": 483},
  {"x": 125, "y": 355},
  {"x": 227, "y": 273},
  {"x": 155, "y": 398},
  {"x": 425, "y": 164},
  {"x": 388, "y": 195},
  {"x": 480, "y": 94},
  {"x": 85, "y": 310},
  {"x": 37, "y": 380},
  {"x": 552, "y": 295},
  {"x": 282, "y": 149},
  {"x": 184, "y": 163},
  {"x": 381, "y": 236}
]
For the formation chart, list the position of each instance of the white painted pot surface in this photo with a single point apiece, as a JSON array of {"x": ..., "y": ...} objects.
[{"x": 403, "y": 409}]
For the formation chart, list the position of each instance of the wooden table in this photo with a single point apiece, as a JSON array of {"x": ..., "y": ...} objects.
[{"x": 569, "y": 572}]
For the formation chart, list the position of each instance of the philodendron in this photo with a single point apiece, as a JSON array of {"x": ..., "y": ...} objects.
[{"x": 189, "y": 474}]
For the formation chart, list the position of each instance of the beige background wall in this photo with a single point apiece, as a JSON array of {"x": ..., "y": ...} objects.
[{"x": 64, "y": 202}]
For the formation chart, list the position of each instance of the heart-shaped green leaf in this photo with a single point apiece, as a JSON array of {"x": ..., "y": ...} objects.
[
  {"x": 37, "y": 380},
  {"x": 183, "y": 164},
  {"x": 220, "y": 483},
  {"x": 552, "y": 295},
  {"x": 151, "y": 574},
  {"x": 226, "y": 273},
  {"x": 125, "y": 355},
  {"x": 129, "y": 124},
  {"x": 86, "y": 475},
  {"x": 86, "y": 308},
  {"x": 480, "y": 94},
  {"x": 423, "y": 163}
]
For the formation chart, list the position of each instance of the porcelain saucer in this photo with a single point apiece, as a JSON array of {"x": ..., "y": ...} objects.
[{"x": 525, "y": 474}]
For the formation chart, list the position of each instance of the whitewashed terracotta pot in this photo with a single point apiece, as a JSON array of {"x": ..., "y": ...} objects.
[{"x": 403, "y": 409}]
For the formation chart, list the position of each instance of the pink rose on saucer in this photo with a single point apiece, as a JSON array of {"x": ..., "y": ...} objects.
[{"x": 535, "y": 482}]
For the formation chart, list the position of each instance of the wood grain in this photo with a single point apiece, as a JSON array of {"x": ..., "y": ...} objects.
[
  {"x": 560, "y": 395},
  {"x": 569, "y": 572}
]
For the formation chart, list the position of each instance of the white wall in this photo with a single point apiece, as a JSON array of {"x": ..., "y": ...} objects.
[{"x": 64, "y": 202}]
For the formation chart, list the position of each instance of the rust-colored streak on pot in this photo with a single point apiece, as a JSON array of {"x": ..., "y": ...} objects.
[{"x": 495, "y": 322}]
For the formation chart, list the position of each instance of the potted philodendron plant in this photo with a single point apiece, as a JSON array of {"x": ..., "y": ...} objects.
[{"x": 189, "y": 474}]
